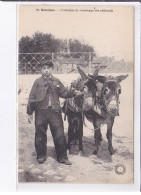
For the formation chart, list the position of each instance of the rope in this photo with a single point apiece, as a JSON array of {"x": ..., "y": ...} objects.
[{"x": 90, "y": 128}]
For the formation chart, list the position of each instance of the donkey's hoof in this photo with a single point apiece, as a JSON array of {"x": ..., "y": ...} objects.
[
  {"x": 80, "y": 153},
  {"x": 111, "y": 151},
  {"x": 95, "y": 152}
]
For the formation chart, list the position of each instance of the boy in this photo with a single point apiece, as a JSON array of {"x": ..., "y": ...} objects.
[{"x": 44, "y": 100}]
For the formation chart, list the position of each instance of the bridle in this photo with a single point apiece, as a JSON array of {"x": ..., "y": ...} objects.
[{"x": 106, "y": 102}]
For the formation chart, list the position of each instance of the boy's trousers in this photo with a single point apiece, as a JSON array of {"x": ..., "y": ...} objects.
[{"x": 43, "y": 118}]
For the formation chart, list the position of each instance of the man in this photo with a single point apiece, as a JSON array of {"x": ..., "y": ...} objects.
[{"x": 44, "y": 100}]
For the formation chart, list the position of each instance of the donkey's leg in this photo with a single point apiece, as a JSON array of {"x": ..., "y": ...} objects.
[
  {"x": 80, "y": 133},
  {"x": 100, "y": 135},
  {"x": 70, "y": 132},
  {"x": 109, "y": 135},
  {"x": 97, "y": 137},
  {"x": 76, "y": 131}
]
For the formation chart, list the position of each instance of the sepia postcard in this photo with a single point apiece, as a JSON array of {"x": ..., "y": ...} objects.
[{"x": 75, "y": 94}]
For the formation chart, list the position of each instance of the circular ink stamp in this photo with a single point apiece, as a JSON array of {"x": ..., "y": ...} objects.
[{"x": 120, "y": 169}]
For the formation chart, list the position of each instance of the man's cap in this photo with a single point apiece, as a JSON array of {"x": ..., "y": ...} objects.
[{"x": 46, "y": 63}]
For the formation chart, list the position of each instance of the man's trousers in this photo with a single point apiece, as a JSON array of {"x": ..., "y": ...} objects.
[{"x": 43, "y": 118}]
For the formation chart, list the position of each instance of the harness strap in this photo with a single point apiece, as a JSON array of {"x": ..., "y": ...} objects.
[
  {"x": 90, "y": 128},
  {"x": 82, "y": 112}
]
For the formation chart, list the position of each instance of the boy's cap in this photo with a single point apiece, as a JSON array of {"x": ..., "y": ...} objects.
[{"x": 46, "y": 63}]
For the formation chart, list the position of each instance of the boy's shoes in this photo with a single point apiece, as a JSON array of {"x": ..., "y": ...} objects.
[
  {"x": 65, "y": 161},
  {"x": 41, "y": 159}
]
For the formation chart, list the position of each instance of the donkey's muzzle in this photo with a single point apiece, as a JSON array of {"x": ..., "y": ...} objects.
[{"x": 113, "y": 107}]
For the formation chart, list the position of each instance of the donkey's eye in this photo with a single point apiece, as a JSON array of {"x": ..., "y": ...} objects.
[{"x": 106, "y": 91}]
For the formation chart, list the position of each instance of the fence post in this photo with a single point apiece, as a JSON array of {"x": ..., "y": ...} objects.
[
  {"x": 52, "y": 56},
  {"x": 25, "y": 68},
  {"x": 90, "y": 63}
]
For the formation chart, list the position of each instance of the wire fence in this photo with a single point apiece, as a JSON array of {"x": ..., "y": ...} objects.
[{"x": 29, "y": 63}]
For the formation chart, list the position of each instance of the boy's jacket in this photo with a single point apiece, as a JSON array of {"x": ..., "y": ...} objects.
[{"x": 39, "y": 90}]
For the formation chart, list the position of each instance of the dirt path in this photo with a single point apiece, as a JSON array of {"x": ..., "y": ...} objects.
[{"x": 84, "y": 169}]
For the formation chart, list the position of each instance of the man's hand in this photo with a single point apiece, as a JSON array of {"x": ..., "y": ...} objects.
[
  {"x": 78, "y": 93},
  {"x": 30, "y": 118}
]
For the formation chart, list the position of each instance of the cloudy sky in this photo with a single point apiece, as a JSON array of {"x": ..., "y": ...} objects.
[{"x": 110, "y": 31}]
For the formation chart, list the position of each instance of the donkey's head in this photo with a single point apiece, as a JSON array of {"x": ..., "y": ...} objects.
[
  {"x": 110, "y": 88},
  {"x": 111, "y": 91},
  {"x": 86, "y": 83}
]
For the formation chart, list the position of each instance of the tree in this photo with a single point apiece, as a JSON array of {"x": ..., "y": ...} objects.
[{"x": 47, "y": 43}]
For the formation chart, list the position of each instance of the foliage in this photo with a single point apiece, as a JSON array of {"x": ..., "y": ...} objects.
[{"x": 47, "y": 43}]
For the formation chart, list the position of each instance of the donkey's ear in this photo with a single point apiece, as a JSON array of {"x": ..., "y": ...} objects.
[
  {"x": 83, "y": 75},
  {"x": 95, "y": 73},
  {"x": 121, "y": 78}
]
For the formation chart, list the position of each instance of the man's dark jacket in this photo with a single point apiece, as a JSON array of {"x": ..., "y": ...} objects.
[{"x": 39, "y": 90}]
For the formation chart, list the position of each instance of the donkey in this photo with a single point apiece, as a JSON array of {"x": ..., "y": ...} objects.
[
  {"x": 109, "y": 106},
  {"x": 73, "y": 108},
  {"x": 100, "y": 106}
]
